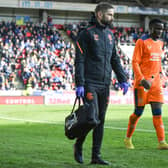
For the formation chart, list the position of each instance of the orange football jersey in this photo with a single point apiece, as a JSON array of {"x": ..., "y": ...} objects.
[{"x": 146, "y": 60}]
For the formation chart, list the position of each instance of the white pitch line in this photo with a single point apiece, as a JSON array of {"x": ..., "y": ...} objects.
[
  {"x": 138, "y": 129},
  {"x": 27, "y": 120},
  {"x": 52, "y": 122}
]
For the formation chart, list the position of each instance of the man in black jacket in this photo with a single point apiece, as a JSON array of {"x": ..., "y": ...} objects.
[{"x": 95, "y": 59}]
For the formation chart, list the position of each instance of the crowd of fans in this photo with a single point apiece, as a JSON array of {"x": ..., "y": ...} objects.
[{"x": 37, "y": 56}]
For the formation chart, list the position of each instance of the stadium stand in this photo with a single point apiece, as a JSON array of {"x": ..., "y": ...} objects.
[
  {"x": 35, "y": 52},
  {"x": 36, "y": 55}
]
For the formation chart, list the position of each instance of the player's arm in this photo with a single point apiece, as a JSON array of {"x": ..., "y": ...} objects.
[
  {"x": 136, "y": 61},
  {"x": 81, "y": 51},
  {"x": 163, "y": 75}
]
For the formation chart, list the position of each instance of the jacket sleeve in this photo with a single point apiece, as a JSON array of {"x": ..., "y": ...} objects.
[
  {"x": 136, "y": 60},
  {"x": 117, "y": 67},
  {"x": 81, "y": 51}
]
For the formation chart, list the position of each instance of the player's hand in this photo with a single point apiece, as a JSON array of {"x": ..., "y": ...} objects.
[
  {"x": 146, "y": 84},
  {"x": 124, "y": 86},
  {"x": 80, "y": 91}
]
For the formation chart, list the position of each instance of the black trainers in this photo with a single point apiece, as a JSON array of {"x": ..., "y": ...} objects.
[
  {"x": 78, "y": 153},
  {"x": 98, "y": 160}
]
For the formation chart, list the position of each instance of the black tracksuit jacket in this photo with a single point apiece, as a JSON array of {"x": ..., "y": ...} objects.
[{"x": 96, "y": 57}]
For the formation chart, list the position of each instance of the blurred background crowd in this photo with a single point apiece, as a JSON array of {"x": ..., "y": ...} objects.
[{"x": 41, "y": 56}]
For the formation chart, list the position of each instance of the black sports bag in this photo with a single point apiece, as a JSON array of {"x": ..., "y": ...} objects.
[{"x": 80, "y": 121}]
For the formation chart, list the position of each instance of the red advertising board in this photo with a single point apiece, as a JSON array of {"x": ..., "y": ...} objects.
[
  {"x": 69, "y": 97},
  {"x": 115, "y": 98},
  {"x": 60, "y": 98},
  {"x": 11, "y": 100}
]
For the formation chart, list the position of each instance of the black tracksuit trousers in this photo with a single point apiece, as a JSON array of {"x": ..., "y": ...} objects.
[{"x": 99, "y": 96}]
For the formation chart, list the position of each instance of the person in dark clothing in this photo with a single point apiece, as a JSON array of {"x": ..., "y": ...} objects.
[{"x": 95, "y": 59}]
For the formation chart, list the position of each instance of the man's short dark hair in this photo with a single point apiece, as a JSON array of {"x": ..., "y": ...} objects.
[
  {"x": 103, "y": 6},
  {"x": 155, "y": 21}
]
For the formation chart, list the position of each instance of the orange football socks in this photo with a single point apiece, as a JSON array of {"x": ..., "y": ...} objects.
[
  {"x": 159, "y": 127},
  {"x": 133, "y": 120}
]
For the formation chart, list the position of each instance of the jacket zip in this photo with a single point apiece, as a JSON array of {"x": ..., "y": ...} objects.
[{"x": 104, "y": 35}]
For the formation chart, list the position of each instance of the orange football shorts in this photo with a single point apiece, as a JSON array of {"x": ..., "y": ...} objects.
[{"x": 154, "y": 94}]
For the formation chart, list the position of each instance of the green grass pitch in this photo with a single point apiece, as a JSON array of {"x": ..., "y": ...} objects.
[{"x": 32, "y": 136}]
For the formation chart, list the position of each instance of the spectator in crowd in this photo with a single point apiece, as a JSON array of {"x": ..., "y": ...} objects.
[{"x": 49, "y": 21}]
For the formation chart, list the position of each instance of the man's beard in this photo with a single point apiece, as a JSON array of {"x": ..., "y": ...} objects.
[{"x": 106, "y": 22}]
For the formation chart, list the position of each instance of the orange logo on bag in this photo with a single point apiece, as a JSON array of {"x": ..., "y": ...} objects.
[
  {"x": 89, "y": 96},
  {"x": 110, "y": 38},
  {"x": 96, "y": 37}
]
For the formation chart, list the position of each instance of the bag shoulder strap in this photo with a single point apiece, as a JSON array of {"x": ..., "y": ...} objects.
[{"x": 79, "y": 102}]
